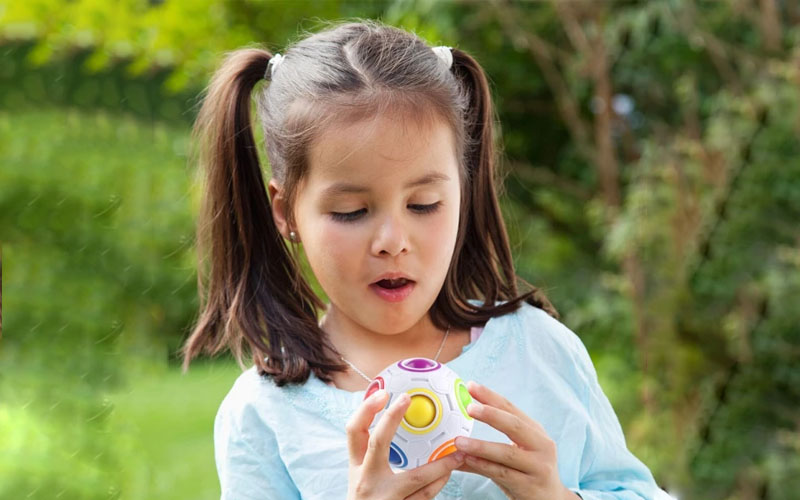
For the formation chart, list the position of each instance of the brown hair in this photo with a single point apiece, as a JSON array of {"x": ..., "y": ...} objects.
[{"x": 253, "y": 297}]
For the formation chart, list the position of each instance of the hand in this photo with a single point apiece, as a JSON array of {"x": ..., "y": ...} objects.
[
  {"x": 370, "y": 476},
  {"x": 527, "y": 469}
]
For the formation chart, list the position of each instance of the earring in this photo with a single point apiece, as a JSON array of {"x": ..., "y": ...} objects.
[{"x": 292, "y": 235}]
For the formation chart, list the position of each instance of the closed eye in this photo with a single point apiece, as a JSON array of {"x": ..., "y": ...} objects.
[{"x": 351, "y": 216}]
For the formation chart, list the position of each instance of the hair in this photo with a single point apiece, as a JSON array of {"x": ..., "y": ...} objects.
[{"x": 253, "y": 297}]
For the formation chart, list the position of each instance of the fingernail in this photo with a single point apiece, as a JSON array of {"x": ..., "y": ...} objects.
[
  {"x": 403, "y": 399},
  {"x": 474, "y": 407},
  {"x": 459, "y": 457},
  {"x": 377, "y": 395}
]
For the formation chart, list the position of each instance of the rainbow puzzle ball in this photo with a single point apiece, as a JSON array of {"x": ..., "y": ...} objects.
[{"x": 436, "y": 415}]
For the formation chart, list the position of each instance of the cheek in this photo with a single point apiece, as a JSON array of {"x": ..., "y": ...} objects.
[
  {"x": 338, "y": 235},
  {"x": 439, "y": 238},
  {"x": 335, "y": 249}
]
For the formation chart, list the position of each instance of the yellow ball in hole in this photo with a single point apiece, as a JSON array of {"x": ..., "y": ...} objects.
[{"x": 421, "y": 411}]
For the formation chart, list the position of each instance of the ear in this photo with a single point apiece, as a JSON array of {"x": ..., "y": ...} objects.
[{"x": 278, "y": 207}]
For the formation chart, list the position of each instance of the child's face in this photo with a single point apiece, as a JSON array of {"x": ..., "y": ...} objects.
[{"x": 388, "y": 230}]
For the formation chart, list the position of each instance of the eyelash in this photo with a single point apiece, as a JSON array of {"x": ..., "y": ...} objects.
[{"x": 352, "y": 216}]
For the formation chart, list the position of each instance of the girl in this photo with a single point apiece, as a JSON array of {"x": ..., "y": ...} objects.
[{"x": 382, "y": 166}]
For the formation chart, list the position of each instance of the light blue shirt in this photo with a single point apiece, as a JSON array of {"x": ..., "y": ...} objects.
[{"x": 289, "y": 442}]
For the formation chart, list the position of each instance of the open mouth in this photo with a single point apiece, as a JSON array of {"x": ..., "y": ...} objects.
[
  {"x": 392, "y": 284},
  {"x": 395, "y": 290}
]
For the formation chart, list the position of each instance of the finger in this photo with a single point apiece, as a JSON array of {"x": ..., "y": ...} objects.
[
  {"x": 466, "y": 468},
  {"x": 431, "y": 490},
  {"x": 421, "y": 481},
  {"x": 358, "y": 426},
  {"x": 505, "y": 477},
  {"x": 483, "y": 394},
  {"x": 519, "y": 430},
  {"x": 508, "y": 455},
  {"x": 376, "y": 458},
  {"x": 487, "y": 396}
]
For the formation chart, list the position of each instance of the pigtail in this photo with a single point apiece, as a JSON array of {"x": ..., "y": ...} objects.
[
  {"x": 253, "y": 297},
  {"x": 482, "y": 263}
]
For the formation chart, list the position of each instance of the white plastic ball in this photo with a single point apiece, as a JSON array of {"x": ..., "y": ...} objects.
[{"x": 437, "y": 413}]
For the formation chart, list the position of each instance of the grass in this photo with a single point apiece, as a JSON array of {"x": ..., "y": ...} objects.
[{"x": 166, "y": 422}]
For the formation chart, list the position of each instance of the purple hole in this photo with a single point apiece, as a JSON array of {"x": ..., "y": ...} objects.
[{"x": 419, "y": 365}]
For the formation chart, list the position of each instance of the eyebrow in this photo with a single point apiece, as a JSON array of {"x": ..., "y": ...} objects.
[{"x": 343, "y": 187}]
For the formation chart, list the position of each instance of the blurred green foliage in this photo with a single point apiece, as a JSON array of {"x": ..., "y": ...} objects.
[
  {"x": 95, "y": 213},
  {"x": 652, "y": 190}
]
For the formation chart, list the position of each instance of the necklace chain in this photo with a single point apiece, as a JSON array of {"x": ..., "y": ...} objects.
[{"x": 436, "y": 358}]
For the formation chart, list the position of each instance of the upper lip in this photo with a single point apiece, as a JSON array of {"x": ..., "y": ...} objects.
[{"x": 392, "y": 276}]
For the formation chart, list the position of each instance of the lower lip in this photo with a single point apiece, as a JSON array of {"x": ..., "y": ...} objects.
[{"x": 393, "y": 294}]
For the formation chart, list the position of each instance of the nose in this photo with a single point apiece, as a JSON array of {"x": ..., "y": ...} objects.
[{"x": 390, "y": 237}]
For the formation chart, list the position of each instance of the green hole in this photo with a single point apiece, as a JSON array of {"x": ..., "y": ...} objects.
[{"x": 464, "y": 396}]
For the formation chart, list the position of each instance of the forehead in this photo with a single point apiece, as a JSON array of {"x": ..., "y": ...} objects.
[{"x": 382, "y": 149}]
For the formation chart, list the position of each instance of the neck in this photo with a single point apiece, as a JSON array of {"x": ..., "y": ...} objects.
[{"x": 372, "y": 351}]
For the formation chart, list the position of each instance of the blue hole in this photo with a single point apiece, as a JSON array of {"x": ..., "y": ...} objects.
[{"x": 395, "y": 458}]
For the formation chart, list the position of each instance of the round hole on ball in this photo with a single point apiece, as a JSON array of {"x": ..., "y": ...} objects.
[
  {"x": 395, "y": 458},
  {"x": 419, "y": 363},
  {"x": 463, "y": 395},
  {"x": 373, "y": 387}
]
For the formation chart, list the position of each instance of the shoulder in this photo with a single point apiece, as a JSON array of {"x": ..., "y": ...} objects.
[
  {"x": 551, "y": 339},
  {"x": 546, "y": 327},
  {"x": 530, "y": 324},
  {"x": 248, "y": 387},
  {"x": 247, "y": 403}
]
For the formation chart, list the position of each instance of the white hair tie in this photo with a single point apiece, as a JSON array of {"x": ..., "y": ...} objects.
[
  {"x": 445, "y": 54},
  {"x": 273, "y": 63}
]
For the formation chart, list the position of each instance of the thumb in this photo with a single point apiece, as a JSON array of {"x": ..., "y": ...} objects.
[{"x": 358, "y": 426}]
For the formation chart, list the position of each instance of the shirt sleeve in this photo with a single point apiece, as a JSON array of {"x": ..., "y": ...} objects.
[
  {"x": 246, "y": 454},
  {"x": 608, "y": 470}
]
